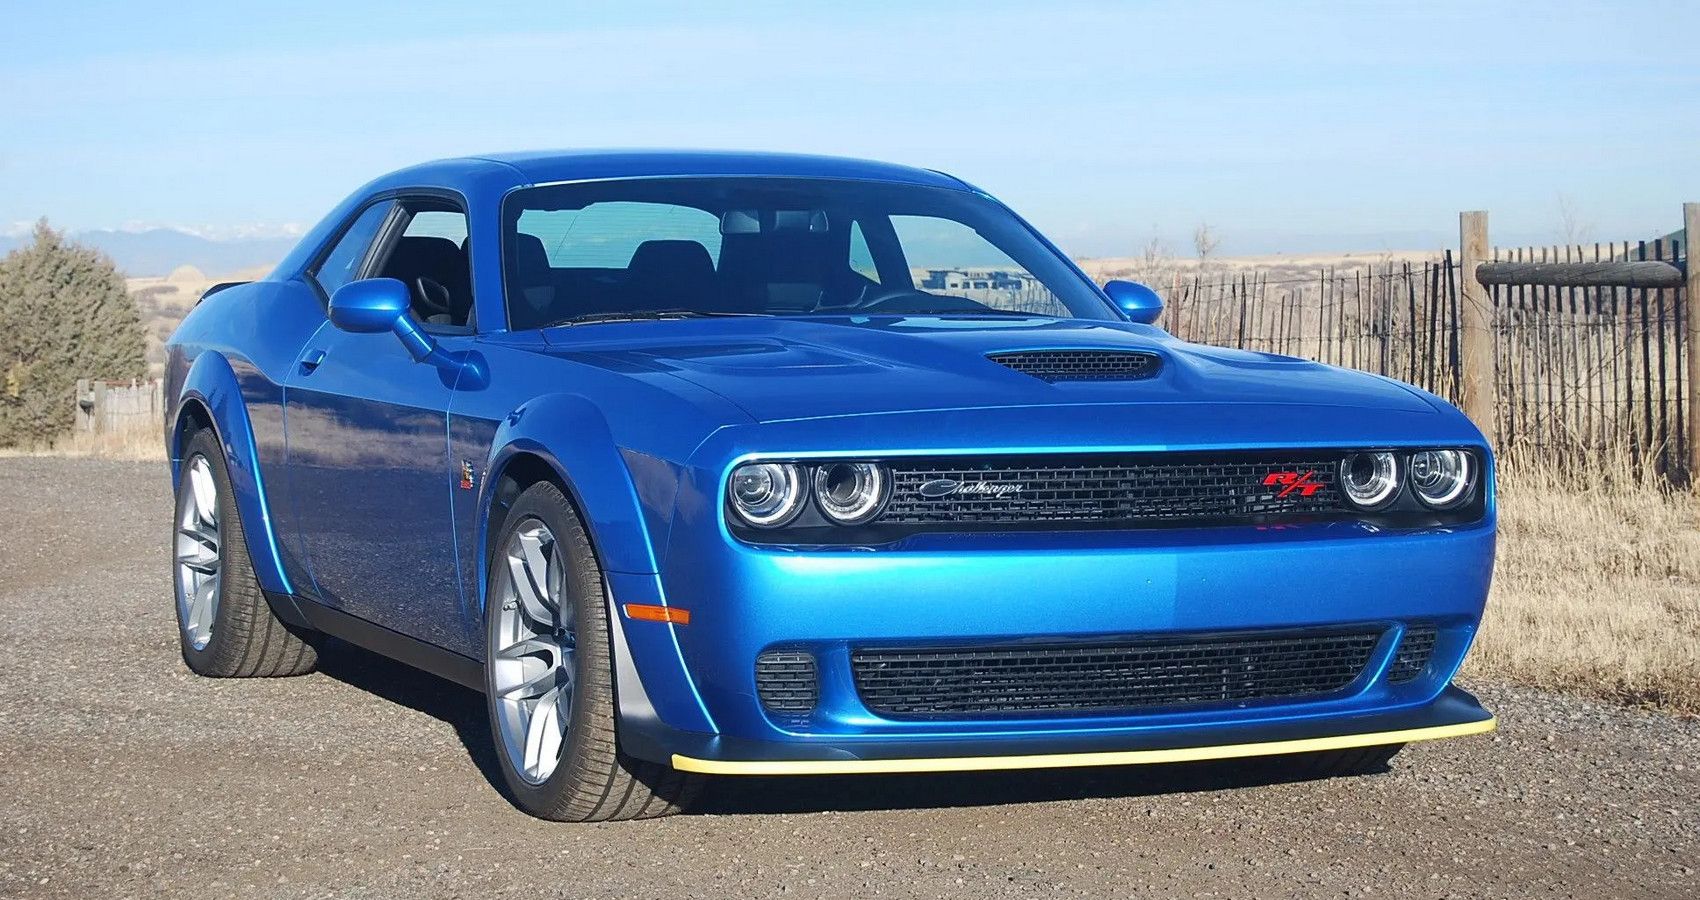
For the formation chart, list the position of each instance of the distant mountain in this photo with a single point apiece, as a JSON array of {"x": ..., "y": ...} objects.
[{"x": 156, "y": 251}]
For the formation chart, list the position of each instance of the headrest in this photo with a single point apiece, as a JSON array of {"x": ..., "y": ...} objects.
[
  {"x": 672, "y": 260},
  {"x": 427, "y": 253},
  {"x": 530, "y": 258}
]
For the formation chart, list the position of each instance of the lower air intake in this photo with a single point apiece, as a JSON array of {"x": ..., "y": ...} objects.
[
  {"x": 1105, "y": 678},
  {"x": 1413, "y": 654},
  {"x": 786, "y": 683}
]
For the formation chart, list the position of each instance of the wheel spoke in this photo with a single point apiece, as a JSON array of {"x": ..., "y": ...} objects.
[
  {"x": 543, "y": 734},
  {"x": 204, "y": 492},
  {"x": 197, "y": 550},
  {"x": 530, "y": 647},
  {"x": 531, "y": 603},
  {"x": 203, "y": 606},
  {"x": 533, "y": 687}
]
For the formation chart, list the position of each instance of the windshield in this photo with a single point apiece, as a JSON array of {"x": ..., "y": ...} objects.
[{"x": 682, "y": 247}]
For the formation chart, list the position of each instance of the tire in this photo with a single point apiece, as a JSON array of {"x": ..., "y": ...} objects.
[
  {"x": 1340, "y": 763},
  {"x": 590, "y": 779},
  {"x": 237, "y": 636}
]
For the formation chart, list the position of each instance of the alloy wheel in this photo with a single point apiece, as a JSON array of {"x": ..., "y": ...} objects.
[
  {"x": 198, "y": 581},
  {"x": 532, "y": 643}
]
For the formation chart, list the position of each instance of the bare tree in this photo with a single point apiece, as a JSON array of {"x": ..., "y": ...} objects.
[
  {"x": 1572, "y": 226},
  {"x": 1204, "y": 243}
]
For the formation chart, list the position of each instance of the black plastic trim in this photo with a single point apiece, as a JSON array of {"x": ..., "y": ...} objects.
[{"x": 366, "y": 635}]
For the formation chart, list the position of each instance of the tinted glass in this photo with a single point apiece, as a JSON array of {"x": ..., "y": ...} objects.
[
  {"x": 777, "y": 246},
  {"x": 343, "y": 263}
]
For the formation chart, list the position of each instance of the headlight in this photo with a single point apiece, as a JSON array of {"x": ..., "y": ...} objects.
[
  {"x": 766, "y": 495},
  {"x": 1442, "y": 478},
  {"x": 850, "y": 493},
  {"x": 1369, "y": 480}
]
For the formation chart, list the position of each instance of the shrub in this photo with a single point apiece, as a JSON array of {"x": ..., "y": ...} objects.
[{"x": 64, "y": 315}]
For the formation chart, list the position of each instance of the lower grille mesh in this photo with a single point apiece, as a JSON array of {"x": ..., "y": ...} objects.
[
  {"x": 1104, "y": 678},
  {"x": 1415, "y": 648},
  {"x": 786, "y": 682}
]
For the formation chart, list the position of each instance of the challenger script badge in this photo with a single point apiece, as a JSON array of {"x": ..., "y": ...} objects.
[{"x": 939, "y": 488}]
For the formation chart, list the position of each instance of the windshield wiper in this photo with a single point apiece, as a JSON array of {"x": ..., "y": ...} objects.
[{"x": 647, "y": 315}]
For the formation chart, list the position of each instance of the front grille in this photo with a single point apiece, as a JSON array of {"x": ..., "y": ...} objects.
[
  {"x": 1158, "y": 489},
  {"x": 1412, "y": 658},
  {"x": 786, "y": 682},
  {"x": 1105, "y": 678},
  {"x": 1081, "y": 365}
]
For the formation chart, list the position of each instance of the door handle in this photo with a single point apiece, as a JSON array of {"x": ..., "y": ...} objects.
[{"x": 311, "y": 361}]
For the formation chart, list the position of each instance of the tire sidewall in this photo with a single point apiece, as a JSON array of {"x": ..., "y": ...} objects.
[{"x": 583, "y": 586}]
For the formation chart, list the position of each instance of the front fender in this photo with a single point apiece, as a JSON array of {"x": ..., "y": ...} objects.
[
  {"x": 211, "y": 383},
  {"x": 568, "y": 432}
]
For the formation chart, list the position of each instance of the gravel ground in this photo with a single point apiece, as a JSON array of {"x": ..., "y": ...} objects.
[{"x": 123, "y": 775}]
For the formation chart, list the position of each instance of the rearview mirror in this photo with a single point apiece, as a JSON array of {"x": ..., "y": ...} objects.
[
  {"x": 373, "y": 305},
  {"x": 1139, "y": 302}
]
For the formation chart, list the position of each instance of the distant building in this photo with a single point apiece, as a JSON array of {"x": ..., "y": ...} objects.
[{"x": 974, "y": 280}]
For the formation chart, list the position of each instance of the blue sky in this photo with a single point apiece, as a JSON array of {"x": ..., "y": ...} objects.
[{"x": 1290, "y": 126}]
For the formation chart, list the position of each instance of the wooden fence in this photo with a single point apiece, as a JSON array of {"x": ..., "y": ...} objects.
[
  {"x": 113, "y": 406},
  {"x": 1565, "y": 356}
]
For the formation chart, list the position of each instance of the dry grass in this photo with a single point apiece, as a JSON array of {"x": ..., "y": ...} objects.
[
  {"x": 1596, "y": 591},
  {"x": 140, "y": 441}
]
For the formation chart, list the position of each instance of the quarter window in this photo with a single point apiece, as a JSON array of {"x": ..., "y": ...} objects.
[
  {"x": 861, "y": 258},
  {"x": 342, "y": 264}
]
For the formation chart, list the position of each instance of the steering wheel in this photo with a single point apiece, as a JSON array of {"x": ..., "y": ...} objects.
[{"x": 433, "y": 297}]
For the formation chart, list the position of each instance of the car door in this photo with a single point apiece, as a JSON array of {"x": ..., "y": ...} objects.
[{"x": 368, "y": 455}]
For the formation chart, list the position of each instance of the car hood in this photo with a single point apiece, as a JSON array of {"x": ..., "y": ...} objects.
[{"x": 779, "y": 369}]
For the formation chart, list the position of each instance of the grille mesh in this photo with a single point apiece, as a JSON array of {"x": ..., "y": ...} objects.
[
  {"x": 1412, "y": 658},
  {"x": 786, "y": 682},
  {"x": 1156, "y": 489},
  {"x": 1081, "y": 365},
  {"x": 1105, "y": 678}
]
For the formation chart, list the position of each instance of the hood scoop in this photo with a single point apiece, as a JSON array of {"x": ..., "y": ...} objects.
[{"x": 1081, "y": 365}]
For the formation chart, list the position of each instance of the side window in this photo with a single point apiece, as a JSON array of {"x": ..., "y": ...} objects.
[
  {"x": 861, "y": 258},
  {"x": 430, "y": 258},
  {"x": 343, "y": 263}
]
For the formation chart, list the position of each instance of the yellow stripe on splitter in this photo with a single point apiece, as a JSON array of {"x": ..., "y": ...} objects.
[{"x": 1064, "y": 760}]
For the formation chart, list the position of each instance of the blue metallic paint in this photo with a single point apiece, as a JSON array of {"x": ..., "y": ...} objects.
[{"x": 348, "y": 480}]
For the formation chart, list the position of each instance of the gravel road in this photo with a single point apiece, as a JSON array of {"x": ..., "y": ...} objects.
[{"x": 121, "y": 775}]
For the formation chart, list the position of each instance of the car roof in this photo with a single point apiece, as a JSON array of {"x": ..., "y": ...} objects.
[{"x": 548, "y": 166}]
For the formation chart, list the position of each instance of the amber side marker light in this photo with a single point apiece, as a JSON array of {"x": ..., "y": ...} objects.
[{"x": 645, "y": 612}]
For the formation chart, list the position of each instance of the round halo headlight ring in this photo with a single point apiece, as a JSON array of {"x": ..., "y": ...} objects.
[
  {"x": 766, "y": 494},
  {"x": 850, "y": 493},
  {"x": 1442, "y": 479},
  {"x": 1370, "y": 480}
]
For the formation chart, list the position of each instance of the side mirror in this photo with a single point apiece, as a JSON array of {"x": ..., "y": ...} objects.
[
  {"x": 370, "y": 306},
  {"x": 374, "y": 305},
  {"x": 1139, "y": 302}
]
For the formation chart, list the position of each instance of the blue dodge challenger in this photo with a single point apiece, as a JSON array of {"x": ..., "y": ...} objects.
[{"x": 706, "y": 463}]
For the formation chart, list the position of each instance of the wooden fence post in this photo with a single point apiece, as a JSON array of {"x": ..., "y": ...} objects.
[
  {"x": 84, "y": 423},
  {"x": 1475, "y": 312},
  {"x": 1691, "y": 296},
  {"x": 97, "y": 412}
]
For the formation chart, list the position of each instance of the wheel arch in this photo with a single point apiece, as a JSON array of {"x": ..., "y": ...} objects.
[
  {"x": 211, "y": 398},
  {"x": 592, "y": 473}
]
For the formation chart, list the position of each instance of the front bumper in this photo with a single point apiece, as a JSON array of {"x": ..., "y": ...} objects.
[
  {"x": 1454, "y": 714},
  {"x": 691, "y": 699}
]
